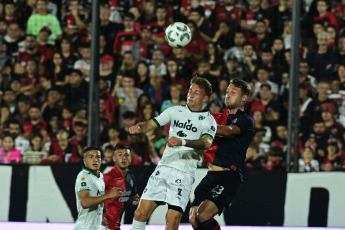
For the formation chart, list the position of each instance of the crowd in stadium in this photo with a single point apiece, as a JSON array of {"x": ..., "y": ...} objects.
[{"x": 45, "y": 60}]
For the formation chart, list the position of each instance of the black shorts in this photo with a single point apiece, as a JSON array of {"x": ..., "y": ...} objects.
[{"x": 220, "y": 187}]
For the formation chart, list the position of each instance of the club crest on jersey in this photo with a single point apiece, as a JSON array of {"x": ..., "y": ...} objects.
[
  {"x": 201, "y": 118},
  {"x": 186, "y": 125},
  {"x": 82, "y": 179}
]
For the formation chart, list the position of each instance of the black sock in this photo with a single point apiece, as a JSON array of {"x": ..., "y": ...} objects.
[{"x": 210, "y": 224}]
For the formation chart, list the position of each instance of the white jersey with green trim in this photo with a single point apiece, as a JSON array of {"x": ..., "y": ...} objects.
[
  {"x": 89, "y": 218},
  {"x": 185, "y": 124}
]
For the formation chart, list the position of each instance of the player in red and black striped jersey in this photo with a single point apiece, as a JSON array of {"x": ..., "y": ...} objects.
[
  {"x": 225, "y": 159},
  {"x": 121, "y": 177}
]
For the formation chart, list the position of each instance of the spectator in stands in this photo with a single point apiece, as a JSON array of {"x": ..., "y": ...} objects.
[
  {"x": 108, "y": 28},
  {"x": 185, "y": 64},
  {"x": 320, "y": 133},
  {"x": 148, "y": 15},
  {"x": 5, "y": 61},
  {"x": 175, "y": 76},
  {"x": 249, "y": 58},
  {"x": 80, "y": 131},
  {"x": 8, "y": 153},
  {"x": 158, "y": 67},
  {"x": 305, "y": 78},
  {"x": 23, "y": 105},
  {"x": 226, "y": 10},
  {"x": 197, "y": 15},
  {"x": 325, "y": 17},
  {"x": 237, "y": 49},
  {"x": 197, "y": 46},
  {"x": 261, "y": 40},
  {"x": 233, "y": 70},
  {"x": 260, "y": 124},
  {"x": 157, "y": 89},
  {"x": 53, "y": 103},
  {"x": 204, "y": 70},
  {"x": 322, "y": 62},
  {"x": 175, "y": 96},
  {"x": 108, "y": 153},
  {"x": 340, "y": 74},
  {"x": 263, "y": 78},
  {"x": 73, "y": 21},
  {"x": 43, "y": 46},
  {"x": 158, "y": 28},
  {"x": 253, "y": 159},
  {"x": 84, "y": 63},
  {"x": 126, "y": 38},
  {"x": 77, "y": 88},
  {"x": 107, "y": 70},
  {"x": 341, "y": 49},
  {"x": 9, "y": 100},
  {"x": 334, "y": 128},
  {"x": 61, "y": 150},
  {"x": 307, "y": 163},
  {"x": 4, "y": 117},
  {"x": 35, "y": 123},
  {"x": 142, "y": 74},
  {"x": 128, "y": 62},
  {"x": 36, "y": 152},
  {"x": 275, "y": 161},
  {"x": 146, "y": 112},
  {"x": 214, "y": 106},
  {"x": 332, "y": 32},
  {"x": 41, "y": 19},
  {"x": 126, "y": 95},
  {"x": 58, "y": 70},
  {"x": 113, "y": 135},
  {"x": 12, "y": 40},
  {"x": 69, "y": 57},
  {"x": 15, "y": 129},
  {"x": 332, "y": 161},
  {"x": 212, "y": 54},
  {"x": 143, "y": 49},
  {"x": 129, "y": 120}
]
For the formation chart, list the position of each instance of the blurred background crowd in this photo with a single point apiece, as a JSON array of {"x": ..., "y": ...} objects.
[{"x": 45, "y": 66}]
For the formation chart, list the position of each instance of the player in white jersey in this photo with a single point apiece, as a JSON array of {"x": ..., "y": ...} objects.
[
  {"x": 89, "y": 190},
  {"x": 192, "y": 130}
]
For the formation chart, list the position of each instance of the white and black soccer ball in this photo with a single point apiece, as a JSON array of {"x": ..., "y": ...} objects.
[{"x": 178, "y": 35}]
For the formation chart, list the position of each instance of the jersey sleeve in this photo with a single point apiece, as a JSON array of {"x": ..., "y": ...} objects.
[
  {"x": 209, "y": 128},
  {"x": 134, "y": 188},
  {"x": 83, "y": 183},
  {"x": 165, "y": 117},
  {"x": 246, "y": 124}
]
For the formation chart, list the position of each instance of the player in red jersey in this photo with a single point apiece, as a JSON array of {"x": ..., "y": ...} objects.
[{"x": 121, "y": 177}]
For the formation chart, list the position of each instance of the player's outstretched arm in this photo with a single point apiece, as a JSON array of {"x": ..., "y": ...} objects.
[
  {"x": 142, "y": 127},
  {"x": 228, "y": 130},
  {"x": 202, "y": 143},
  {"x": 88, "y": 201}
]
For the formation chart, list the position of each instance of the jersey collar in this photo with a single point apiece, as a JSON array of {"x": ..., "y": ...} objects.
[
  {"x": 202, "y": 111},
  {"x": 90, "y": 171}
]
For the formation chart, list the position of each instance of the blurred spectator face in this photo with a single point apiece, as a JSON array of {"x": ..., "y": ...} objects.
[
  {"x": 319, "y": 128},
  {"x": 128, "y": 23},
  {"x": 175, "y": 91},
  {"x": 224, "y": 28},
  {"x": 323, "y": 88},
  {"x": 127, "y": 82},
  {"x": 62, "y": 136},
  {"x": 318, "y": 28},
  {"x": 34, "y": 114},
  {"x": 341, "y": 44},
  {"x": 30, "y": 43},
  {"x": 128, "y": 59},
  {"x": 43, "y": 36},
  {"x": 322, "y": 41},
  {"x": 54, "y": 122},
  {"x": 147, "y": 110},
  {"x": 311, "y": 141},
  {"x": 278, "y": 45},
  {"x": 303, "y": 68},
  {"x": 265, "y": 93},
  {"x": 102, "y": 41},
  {"x": 85, "y": 53},
  {"x": 75, "y": 79},
  {"x": 13, "y": 31},
  {"x": 57, "y": 59},
  {"x": 104, "y": 12},
  {"x": 45, "y": 83},
  {"x": 142, "y": 69},
  {"x": 102, "y": 85},
  {"x": 66, "y": 114},
  {"x": 194, "y": 16},
  {"x": 54, "y": 96},
  {"x": 303, "y": 93},
  {"x": 31, "y": 67},
  {"x": 239, "y": 39},
  {"x": 321, "y": 7},
  {"x": 172, "y": 66},
  {"x": 135, "y": 11},
  {"x": 254, "y": 4},
  {"x": 203, "y": 68},
  {"x": 266, "y": 57},
  {"x": 191, "y": 27},
  {"x": 232, "y": 65},
  {"x": 251, "y": 153},
  {"x": 281, "y": 132},
  {"x": 265, "y": 4},
  {"x": 9, "y": 10},
  {"x": 287, "y": 55},
  {"x": 23, "y": 107},
  {"x": 15, "y": 86},
  {"x": 262, "y": 75},
  {"x": 214, "y": 108},
  {"x": 257, "y": 116},
  {"x": 101, "y": 105},
  {"x": 129, "y": 122},
  {"x": 80, "y": 131},
  {"x": 3, "y": 28},
  {"x": 332, "y": 33},
  {"x": 258, "y": 136},
  {"x": 36, "y": 142},
  {"x": 248, "y": 50},
  {"x": 157, "y": 57},
  {"x": 146, "y": 35},
  {"x": 195, "y": 3},
  {"x": 65, "y": 45},
  {"x": 260, "y": 28},
  {"x": 178, "y": 52},
  {"x": 31, "y": 3},
  {"x": 155, "y": 80},
  {"x": 223, "y": 85},
  {"x": 161, "y": 14},
  {"x": 41, "y": 6},
  {"x": 113, "y": 133},
  {"x": 326, "y": 116},
  {"x": 14, "y": 129},
  {"x": 7, "y": 143},
  {"x": 335, "y": 86},
  {"x": 9, "y": 97},
  {"x": 73, "y": 5},
  {"x": 149, "y": 8}
]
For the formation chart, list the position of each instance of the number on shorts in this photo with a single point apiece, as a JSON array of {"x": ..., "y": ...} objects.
[
  {"x": 179, "y": 192},
  {"x": 219, "y": 188}
]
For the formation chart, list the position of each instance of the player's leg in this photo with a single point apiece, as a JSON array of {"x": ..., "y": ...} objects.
[
  {"x": 173, "y": 217},
  {"x": 192, "y": 216},
  {"x": 142, "y": 214},
  {"x": 204, "y": 216}
]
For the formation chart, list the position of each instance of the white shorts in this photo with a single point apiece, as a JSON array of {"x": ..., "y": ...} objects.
[{"x": 170, "y": 186}]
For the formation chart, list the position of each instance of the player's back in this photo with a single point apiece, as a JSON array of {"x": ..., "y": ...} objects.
[
  {"x": 185, "y": 124},
  {"x": 89, "y": 218}
]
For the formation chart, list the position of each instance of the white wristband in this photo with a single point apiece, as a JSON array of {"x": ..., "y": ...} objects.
[{"x": 183, "y": 142}]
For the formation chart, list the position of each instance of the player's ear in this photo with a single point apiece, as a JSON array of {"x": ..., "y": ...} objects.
[
  {"x": 206, "y": 99},
  {"x": 244, "y": 98}
]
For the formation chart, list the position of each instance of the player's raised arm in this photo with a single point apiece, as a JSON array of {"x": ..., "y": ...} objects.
[
  {"x": 202, "y": 143},
  {"x": 228, "y": 130},
  {"x": 88, "y": 201},
  {"x": 142, "y": 127}
]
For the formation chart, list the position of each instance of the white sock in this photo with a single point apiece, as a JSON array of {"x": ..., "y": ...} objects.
[{"x": 138, "y": 225}]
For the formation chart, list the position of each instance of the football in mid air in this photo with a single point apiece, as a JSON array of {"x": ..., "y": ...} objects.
[{"x": 178, "y": 35}]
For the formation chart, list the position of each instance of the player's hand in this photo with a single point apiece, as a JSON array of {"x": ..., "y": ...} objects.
[
  {"x": 135, "y": 200},
  {"x": 115, "y": 192},
  {"x": 134, "y": 129},
  {"x": 105, "y": 221},
  {"x": 174, "y": 141}
]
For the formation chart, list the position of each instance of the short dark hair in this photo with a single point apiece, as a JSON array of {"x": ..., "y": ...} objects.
[
  {"x": 91, "y": 148},
  {"x": 203, "y": 83},
  {"x": 244, "y": 86},
  {"x": 120, "y": 146}
]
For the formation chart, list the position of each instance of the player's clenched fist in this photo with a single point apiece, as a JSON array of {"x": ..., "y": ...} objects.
[
  {"x": 134, "y": 129},
  {"x": 174, "y": 141},
  {"x": 115, "y": 192}
]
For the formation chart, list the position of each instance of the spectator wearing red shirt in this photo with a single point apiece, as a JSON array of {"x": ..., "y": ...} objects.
[
  {"x": 120, "y": 176},
  {"x": 261, "y": 40},
  {"x": 197, "y": 46},
  {"x": 35, "y": 123},
  {"x": 43, "y": 46},
  {"x": 72, "y": 21},
  {"x": 61, "y": 150},
  {"x": 158, "y": 28},
  {"x": 10, "y": 12},
  {"x": 126, "y": 38},
  {"x": 334, "y": 128},
  {"x": 226, "y": 11},
  {"x": 327, "y": 18},
  {"x": 80, "y": 130}
]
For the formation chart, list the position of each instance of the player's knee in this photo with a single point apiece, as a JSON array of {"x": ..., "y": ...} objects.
[
  {"x": 140, "y": 215},
  {"x": 192, "y": 219},
  {"x": 201, "y": 217},
  {"x": 172, "y": 223}
]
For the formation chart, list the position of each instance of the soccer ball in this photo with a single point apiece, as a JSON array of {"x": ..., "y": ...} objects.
[{"x": 178, "y": 35}]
